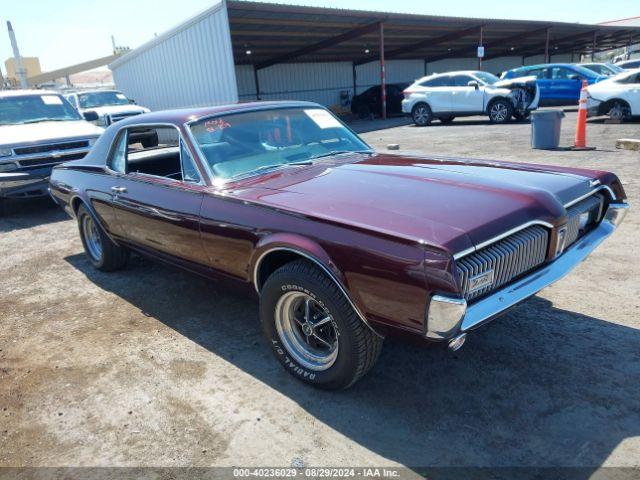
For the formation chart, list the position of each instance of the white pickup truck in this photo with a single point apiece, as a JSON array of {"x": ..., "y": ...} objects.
[
  {"x": 104, "y": 107},
  {"x": 38, "y": 129}
]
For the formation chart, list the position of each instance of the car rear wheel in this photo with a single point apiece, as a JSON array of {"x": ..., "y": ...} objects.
[
  {"x": 500, "y": 111},
  {"x": 313, "y": 330},
  {"x": 619, "y": 111},
  {"x": 99, "y": 248},
  {"x": 422, "y": 114}
]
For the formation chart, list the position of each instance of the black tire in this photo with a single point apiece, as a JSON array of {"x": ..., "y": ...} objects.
[
  {"x": 150, "y": 141},
  {"x": 447, "y": 120},
  {"x": 619, "y": 110},
  {"x": 110, "y": 256},
  {"x": 500, "y": 111},
  {"x": 364, "y": 111},
  {"x": 521, "y": 116},
  {"x": 421, "y": 114},
  {"x": 356, "y": 347}
]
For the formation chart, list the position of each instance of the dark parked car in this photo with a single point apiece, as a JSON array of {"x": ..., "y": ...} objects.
[
  {"x": 369, "y": 101},
  {"x": 559, "y": 83},
  {"x": 344, "y": 245}
]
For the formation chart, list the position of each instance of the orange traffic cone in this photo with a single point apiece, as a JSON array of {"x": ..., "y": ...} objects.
[{"x": 580, "y": 142}]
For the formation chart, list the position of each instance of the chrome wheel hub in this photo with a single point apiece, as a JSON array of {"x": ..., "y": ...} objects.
[
  {"x": 92, "y": 238},
  {"x": 499, "y": 112},
  {"x": 306, "y": 330}
]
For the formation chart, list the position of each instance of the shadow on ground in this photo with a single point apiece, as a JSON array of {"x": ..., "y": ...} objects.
[
  {"x": 539, "y": 387},
  {"x": 17, "y": 215}
]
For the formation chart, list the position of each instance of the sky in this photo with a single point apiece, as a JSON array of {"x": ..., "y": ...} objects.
[{"x": 66, "y": 32}]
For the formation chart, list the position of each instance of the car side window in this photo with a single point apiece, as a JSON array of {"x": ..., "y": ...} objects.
[
  {"x": 539, "y": 73},
  {"x": 561, "y": 73},
  {"x": 461, "y": 80},
  {"x": 118, "y": 160},
  {"x": 433, "y": 82},
  {"x": 154, "y": 151},
  {"x": 189, "y": 171}
]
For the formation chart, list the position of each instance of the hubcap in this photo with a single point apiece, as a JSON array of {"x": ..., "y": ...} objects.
[
  {"x": 306, "y": 330},
  {"x": 92, "y": 238},
  {"x": 421, "y": 115},
  {"x": 619, "y": 112},
  {"x": 499, "y": 112}
]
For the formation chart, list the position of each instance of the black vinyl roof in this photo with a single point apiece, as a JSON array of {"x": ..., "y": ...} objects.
[{"x": 276, "y": 33}]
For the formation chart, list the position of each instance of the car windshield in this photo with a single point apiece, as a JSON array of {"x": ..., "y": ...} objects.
[
  {"x": 100, "y": 99},
  {"x": 20, "y": 109},
  {"x": 244, "y": 144},
  {"x": 585, "y": 72},
  {"x": 487, "y": 78},
  {"x": 614, "y": 68}
]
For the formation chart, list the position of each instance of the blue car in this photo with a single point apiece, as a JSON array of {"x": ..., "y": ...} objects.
[{"x": 559, "y": 83}]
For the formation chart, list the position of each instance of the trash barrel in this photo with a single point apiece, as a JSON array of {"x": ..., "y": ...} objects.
[{"x": 545, "y": 129}]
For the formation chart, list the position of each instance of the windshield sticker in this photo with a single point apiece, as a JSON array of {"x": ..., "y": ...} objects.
[
  {"x": 322, "y": 118},
  {"x": 121, "y": 96},
  {"x": 215, "y": 125},
  {"x": 51, "y": 99}
]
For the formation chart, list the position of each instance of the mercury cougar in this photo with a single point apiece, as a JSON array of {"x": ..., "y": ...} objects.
[{"x": 343, "y": 245}]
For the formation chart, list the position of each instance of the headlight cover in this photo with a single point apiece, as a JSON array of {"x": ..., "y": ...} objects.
[{"x": 6, "y": 152}]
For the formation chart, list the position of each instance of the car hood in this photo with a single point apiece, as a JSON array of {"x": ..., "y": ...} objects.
[
  {"x": 447, "y": 203},
  {"x": 515, "y": 82},
  {"x": 47, "y": 132},
  {"x": 116, "y": 109}
]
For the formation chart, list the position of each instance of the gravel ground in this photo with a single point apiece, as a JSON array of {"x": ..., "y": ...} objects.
[{"x": 151, "y": 366}]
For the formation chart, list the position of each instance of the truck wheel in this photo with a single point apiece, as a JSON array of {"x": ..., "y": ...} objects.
[
  {"x": 422, "y": 114},
  {"x": 500, "y": 111},
  {"x": 313, "y": 330},
  {"x": 101, "y": 251}
]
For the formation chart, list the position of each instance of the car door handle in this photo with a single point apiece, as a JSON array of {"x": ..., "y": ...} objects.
[{"x": 118, "y": 190}]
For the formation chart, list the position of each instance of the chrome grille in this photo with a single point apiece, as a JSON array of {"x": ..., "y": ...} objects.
[
  {"x": 591, "y": 207},
  {"x": 119, "y": 116},
  {"x": 51, "y": 147},
  {"x": 41, "y": 161},
  {"x": 503, "y": 261}
]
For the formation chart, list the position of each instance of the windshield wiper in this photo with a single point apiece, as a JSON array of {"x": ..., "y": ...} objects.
[
  {"x": 274, "y": 166},
  {"x": 340, "y": 152}
]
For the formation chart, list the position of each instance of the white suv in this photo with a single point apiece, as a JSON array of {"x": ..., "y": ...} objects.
[{"x": 465, "y": 93}]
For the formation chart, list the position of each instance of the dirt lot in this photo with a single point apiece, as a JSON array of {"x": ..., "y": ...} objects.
[{"x": 153, "y": 366}]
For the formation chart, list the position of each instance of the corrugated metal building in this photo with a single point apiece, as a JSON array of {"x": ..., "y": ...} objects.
[{"x": 240, "y": 51}]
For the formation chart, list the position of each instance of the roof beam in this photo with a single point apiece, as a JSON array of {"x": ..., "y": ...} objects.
[
  {"x": 329, "y": 42},
  {"x": 430, "y": 42},
  {"x": 498, "y": 42},
  {"x": 71, "y": 70},
  {"x": 530, "y": 50}
]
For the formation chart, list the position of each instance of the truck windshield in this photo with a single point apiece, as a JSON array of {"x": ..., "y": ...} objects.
[
  {"x": 249, "y": 143},
  {"x": 100, "y": 99},
  {"x": 20, "y": 109}
]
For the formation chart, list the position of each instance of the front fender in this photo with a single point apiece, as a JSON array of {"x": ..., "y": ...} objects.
[{"x": 312, "y": 251}]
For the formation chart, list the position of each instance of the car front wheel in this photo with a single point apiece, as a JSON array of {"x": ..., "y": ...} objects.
[
  {"x": 422, "y": 114},
  {"x": 99, "y": 248},
  {"x": 313, "y": 330},
  {"x": 500, "y": 111}
]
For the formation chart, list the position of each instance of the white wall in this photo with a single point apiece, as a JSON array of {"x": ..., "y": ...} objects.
[
  {"x": 191, "y": 65},
  {"x": 320, "y": 82}
]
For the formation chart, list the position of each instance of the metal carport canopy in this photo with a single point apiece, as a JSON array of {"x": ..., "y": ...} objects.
[
  {"x": 266, "y": 34},
  {"x": 276, "y": 33}
]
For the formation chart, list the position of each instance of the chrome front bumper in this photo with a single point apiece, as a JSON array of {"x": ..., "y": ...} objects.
[
  {"x": 498, "y": 302},
  {"x": 448, "y": 317}
]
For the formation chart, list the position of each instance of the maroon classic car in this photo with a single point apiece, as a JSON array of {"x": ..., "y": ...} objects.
[{"x": 344, "y": 245}]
